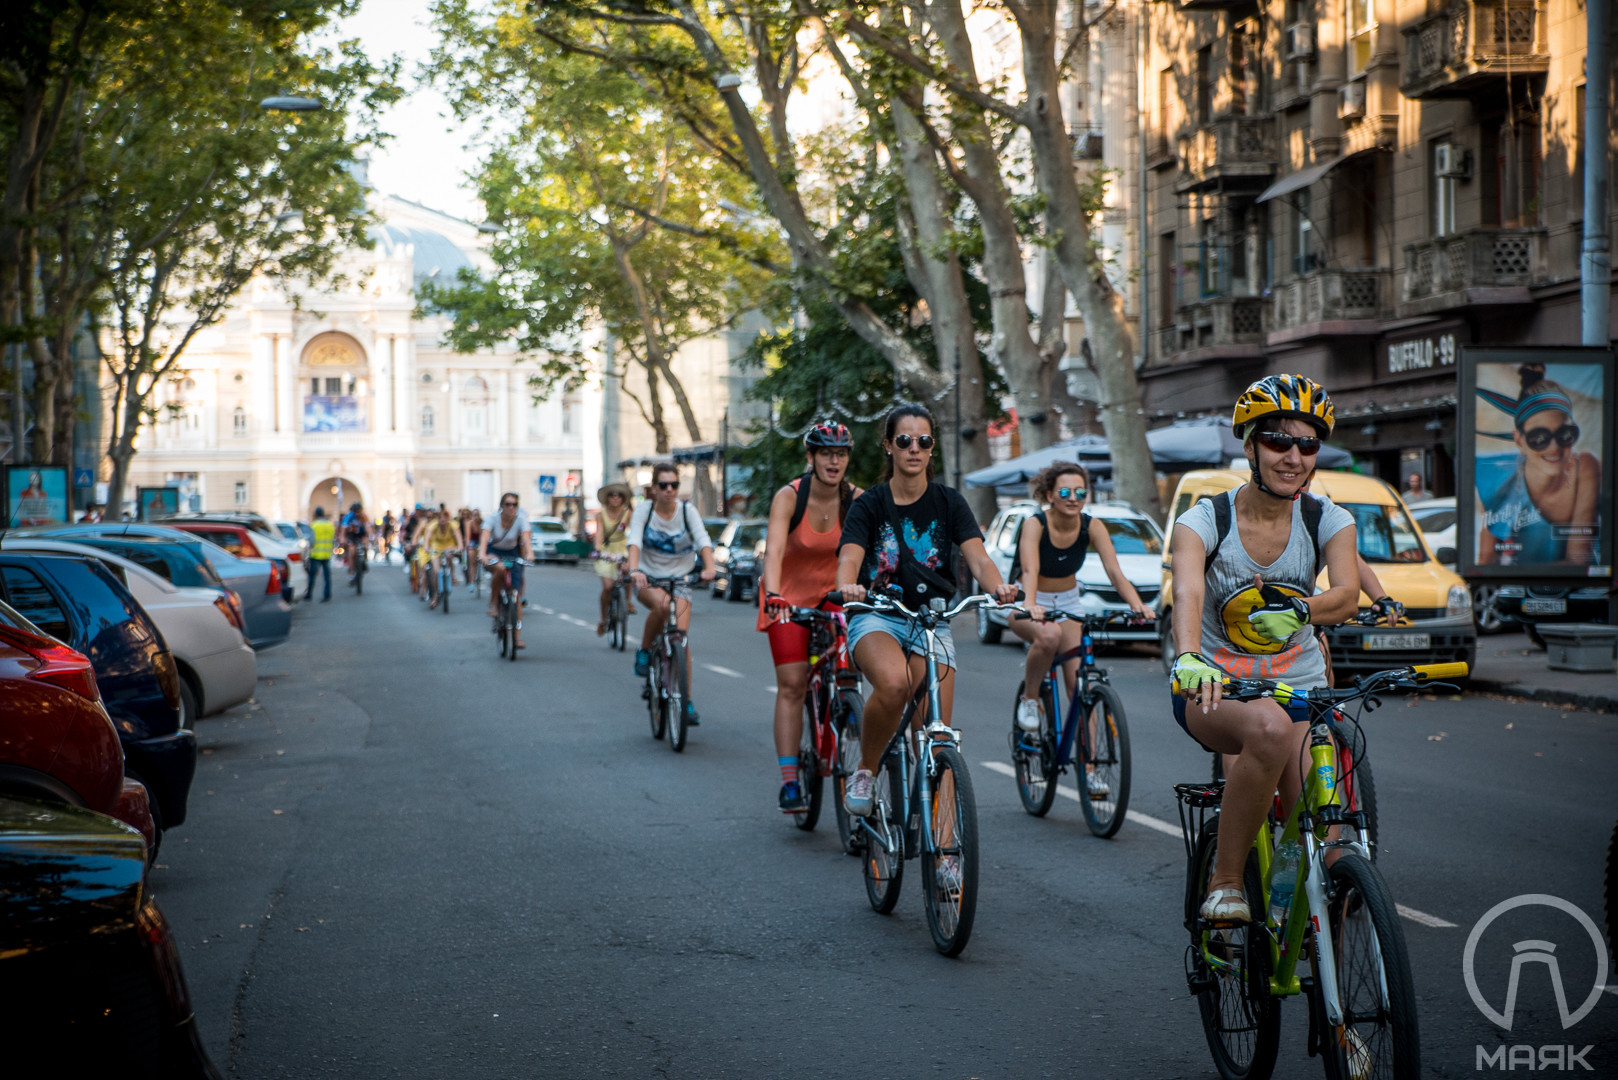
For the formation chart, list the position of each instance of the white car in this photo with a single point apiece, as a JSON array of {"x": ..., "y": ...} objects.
[
  {"x": 1436, "y": 519},
  {"x": 1135, "y": 537},
  {"x": 549, "y": 534},
  {"x": 218, "y": 668}
]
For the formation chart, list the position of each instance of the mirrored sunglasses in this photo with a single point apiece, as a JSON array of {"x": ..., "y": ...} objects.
[{"x": 904, "y": 442}]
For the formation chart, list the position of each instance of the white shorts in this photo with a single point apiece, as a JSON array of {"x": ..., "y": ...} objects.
[{"x": 1066, "y": 602}]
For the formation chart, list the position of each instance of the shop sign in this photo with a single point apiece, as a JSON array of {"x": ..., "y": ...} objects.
[{"x": 1431, "y": 351}]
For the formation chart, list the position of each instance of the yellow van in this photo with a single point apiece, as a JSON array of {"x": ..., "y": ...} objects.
[{"x": 1438, "y": 605}]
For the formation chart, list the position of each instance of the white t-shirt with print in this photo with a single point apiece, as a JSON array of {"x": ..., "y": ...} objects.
[{"x": 667, "y": 548}]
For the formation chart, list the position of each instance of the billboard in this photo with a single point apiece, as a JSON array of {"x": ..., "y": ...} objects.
[
  {"x": 333, "y": 413},
  {"x": 1535, "y": 446},
  {"x": 156, "y": 503},
  {"x": 36, "y": 495}
]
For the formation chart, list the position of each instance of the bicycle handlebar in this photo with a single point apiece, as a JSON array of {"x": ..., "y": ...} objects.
[
  {"x": 1414, "y": 677},
  {"x": 1098, "y": 619},
  {"x": 881, "y": 604}
]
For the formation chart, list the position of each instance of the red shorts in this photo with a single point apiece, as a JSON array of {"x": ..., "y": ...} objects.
[{"x": 789, "y": 643}]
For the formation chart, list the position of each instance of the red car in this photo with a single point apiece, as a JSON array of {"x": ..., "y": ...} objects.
[
  {"x": 238, "y": 540},
  {"x": 57, "y": 742}
]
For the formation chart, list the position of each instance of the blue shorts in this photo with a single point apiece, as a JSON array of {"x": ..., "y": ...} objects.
[
  {"x": 910, "y": 636},
  {"x": 514, "y": 567},
  {"x": 1298, "y": 711}
]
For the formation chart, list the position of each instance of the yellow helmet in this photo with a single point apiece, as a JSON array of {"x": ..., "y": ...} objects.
[{"x": 1294, "y": 396}]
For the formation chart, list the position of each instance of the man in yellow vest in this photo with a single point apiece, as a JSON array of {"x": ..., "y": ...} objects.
[{"x": 320, "y": 553}]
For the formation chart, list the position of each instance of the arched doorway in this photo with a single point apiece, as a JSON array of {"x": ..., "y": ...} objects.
[{"x": 336, "y": 494}]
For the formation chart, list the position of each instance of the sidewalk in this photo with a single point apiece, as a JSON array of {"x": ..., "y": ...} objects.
[{"x": 1510, "y": 664}]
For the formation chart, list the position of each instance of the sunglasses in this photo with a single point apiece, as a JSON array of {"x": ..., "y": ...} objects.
[
  {"x": 1070, "y": 493},
  {"x": 507, "y": 505},
  {"x": 1308, "y": 445},
  {"x": 903, "y": 442},
  {"x": 668, "y": 485},
  {"x": 1539, "y": 438}
]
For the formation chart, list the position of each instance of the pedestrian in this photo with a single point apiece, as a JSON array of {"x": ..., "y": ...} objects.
[
  {"x": 320, "y": 554},
  {"x": 1415, "y": 488}
]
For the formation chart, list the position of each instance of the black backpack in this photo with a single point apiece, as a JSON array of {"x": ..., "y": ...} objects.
[
  {"x": 1310, "y": 508},
  {"x": 800, "y": 490}
]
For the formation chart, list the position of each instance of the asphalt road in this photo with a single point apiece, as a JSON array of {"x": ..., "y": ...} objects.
[{"x": 410, "y": 858}]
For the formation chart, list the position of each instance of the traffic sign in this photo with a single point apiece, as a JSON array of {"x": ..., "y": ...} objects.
[
  {"x": 83, "y": 478},
  {"x": 547, "y": 485}
]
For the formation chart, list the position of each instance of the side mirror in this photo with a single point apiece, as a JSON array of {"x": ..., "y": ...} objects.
[{"x": 1445, "y": 555}]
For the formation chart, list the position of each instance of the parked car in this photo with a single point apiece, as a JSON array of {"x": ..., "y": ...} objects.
[
  {"x": 1537, "y": 605},
  {"x": 1136, "y": 539},
  {"x": 202, "y": 626},
  {"x": 245, "y": 542},
  {"x": 98, "y": 990},
  {"x": 552, "y": 541},
  {"x": 190, "y": 560},
  {"x": 737, "y": 552},
  {"x": 1437, "y": 602},
  {"x": 294, "y": 532},
  {"x": 57, "y": 742},
  {"x": 1436, "y": 519},
  {"x": 78, "y": 602}
]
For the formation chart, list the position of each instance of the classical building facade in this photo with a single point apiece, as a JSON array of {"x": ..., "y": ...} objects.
[
  {"x": 1356, "y": 189},
  {"x": 349, "y": 396}
]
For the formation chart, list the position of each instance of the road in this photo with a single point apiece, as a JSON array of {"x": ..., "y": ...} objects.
[{"x": 410, "y": 858}]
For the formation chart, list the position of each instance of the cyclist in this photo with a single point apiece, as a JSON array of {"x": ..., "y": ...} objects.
[
  {"x": 903, "y": 532},
  {"x": 472, "y": 528},
  {"x": 505, "y": 539},
  {"x": 443, "y": 541},
  {"x": 1258, "y": 603},
  {"x": 356, "y": 531},
  {"x": 666, "y": 535},
  {"x": 800, "y": 568},
  {"x": 612, "y": 538},
  {"x": 388, "y": 527},
  {"x": 1051, "y": 547}
]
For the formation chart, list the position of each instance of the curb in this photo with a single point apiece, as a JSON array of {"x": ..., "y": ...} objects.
[{"x": 1593, "y": 702}]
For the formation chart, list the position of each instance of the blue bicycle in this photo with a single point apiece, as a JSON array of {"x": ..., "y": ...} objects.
[{"x": 1098, "y": 750}]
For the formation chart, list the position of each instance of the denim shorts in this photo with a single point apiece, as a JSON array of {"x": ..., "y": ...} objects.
[
  {"x": 909, "y": 635},
  {"x": 1297, "y": 712}
]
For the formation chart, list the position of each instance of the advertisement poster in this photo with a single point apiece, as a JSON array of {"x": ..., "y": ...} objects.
[
  {"x": 36, "y": 495},
  {"x": 333, "y": 413},
  {"x": 1535, "y": 458},
  {"x": 156, "y": 503}
]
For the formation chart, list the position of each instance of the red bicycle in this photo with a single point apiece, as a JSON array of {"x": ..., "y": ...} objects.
[{"x": 832, "y": 708}]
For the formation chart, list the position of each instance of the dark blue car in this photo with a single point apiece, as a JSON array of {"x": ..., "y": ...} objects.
[{"x": 80, "y": 603}]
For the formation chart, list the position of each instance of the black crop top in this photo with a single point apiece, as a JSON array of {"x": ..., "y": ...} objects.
[{"x": 1055, "y": 562}]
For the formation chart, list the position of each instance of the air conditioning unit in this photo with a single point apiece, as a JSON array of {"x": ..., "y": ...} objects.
[
  {"x": 1452, "y": 162},
  {"x": 1351, "y": 100},
  {"x": 1299, "y": 41}
]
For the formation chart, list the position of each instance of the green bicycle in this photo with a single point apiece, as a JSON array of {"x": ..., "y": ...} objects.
[{"x": 1339, "y": 913}]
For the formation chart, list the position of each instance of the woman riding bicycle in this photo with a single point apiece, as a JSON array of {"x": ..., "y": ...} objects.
[
  {"x": 666, "y": 535},
  {"x": 1050, "y": 550},
  {"x": 443, "y": 541},
  {"x": 506, "y": 543},
  {"x": 612, "y": 539},
  {"x": 901, "y": 532},
  {"x": 800, "y": 568},
  {"x": 1258, "y": 604}
]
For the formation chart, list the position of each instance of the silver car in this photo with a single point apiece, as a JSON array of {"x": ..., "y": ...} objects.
[{"x": 552, "y": 541}]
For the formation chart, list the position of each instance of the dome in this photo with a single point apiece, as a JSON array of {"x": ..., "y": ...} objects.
[{"x": 436, "y": 258}]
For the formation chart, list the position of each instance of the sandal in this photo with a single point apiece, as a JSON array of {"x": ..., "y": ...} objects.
[
  {"x": 1225, "y": 907},
  {"x": 601, "y": 629}
]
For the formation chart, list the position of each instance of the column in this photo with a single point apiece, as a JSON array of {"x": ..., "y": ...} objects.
[
  {"x": 384, "y": 419},
  {"x": 375, "y": 369},
  {"x": 263, "y": 399},
  {"x": 404, "y": 363},
  {"x": 286, "y": 383}
]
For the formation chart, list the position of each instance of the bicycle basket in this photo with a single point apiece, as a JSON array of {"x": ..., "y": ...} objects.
[{"x": 1195, "y": 800}]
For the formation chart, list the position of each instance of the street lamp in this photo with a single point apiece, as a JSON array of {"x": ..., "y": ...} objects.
[{"x": 289, "y": 103}]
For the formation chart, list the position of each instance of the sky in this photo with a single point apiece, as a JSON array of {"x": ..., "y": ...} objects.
[{"x": 426, "y": 159}]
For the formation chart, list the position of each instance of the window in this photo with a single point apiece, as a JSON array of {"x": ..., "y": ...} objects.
[
  {"x": 570, "y": 408},
  {"x": 1517, "y": 172},
  {"x": 1204, "y": 84},
  {"x": 334, "y": 387},
  {"x": 1303, "y": 255},
  {"x": 241, "y": 493},
  {"x": 1443, "y": 195},
  {"x": 1167, "y": 269},
  {"x": 238, "y": 422},
  {"x": 1244, "y": 69},
  {"x": 1384, "y": 533},
  {"x": 1165, "y": 110},
  {"x": 427, "y": 422},
  {"x": 1361, "y": 35},
  {"x": 1575, "y": 201},
  {"x": 35, "y": 602},
  {"x": 1210, "y": 270}
]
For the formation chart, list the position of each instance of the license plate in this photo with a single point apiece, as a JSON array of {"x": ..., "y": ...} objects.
[
  {"x": 1398, "y": 641},
  {"x": 1544, "y": 607}
]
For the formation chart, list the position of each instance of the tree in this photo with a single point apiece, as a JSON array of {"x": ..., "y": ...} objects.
[{"x": 613, "y": 213}]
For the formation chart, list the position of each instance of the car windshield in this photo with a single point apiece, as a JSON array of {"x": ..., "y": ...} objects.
[
  {"x": 549, "y": 527},
  {"x": 1132, "y": 536},
  {"x": 748, "y": 535},
  {"x": 1435, "y": 520},
  {"x": 289, "y": 531},
  {"x": 1385, "y": 533}
]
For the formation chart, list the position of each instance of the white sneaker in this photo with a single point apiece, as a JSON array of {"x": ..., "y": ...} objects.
[
  {"x": 859, "y": 796},
  {"x": 1030, "y": 715},
  {"x": 1096, "y": 786}
]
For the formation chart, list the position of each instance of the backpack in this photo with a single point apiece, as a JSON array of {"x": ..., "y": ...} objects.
[
  {"x": 1309, "y": 506},
  {"x": 800, "y": 489}
]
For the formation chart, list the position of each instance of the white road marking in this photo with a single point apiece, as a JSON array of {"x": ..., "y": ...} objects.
[
  {"x": 574, "y": 620},
  {"x": 727, "y": 672},
  {"x": 1423, "y": 918},
  {"x": 773, "y": 689}
]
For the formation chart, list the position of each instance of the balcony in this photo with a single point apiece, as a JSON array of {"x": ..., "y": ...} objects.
[
  {"x": 1230, "y": 326},
  {"x": 1463, "y": 48},
  {"x": 1216, "y": 5},
  {"x": 1233, "y": 151},
  {"x": 1479, "y": 266},
  {"x": 1332, "y": 301}
]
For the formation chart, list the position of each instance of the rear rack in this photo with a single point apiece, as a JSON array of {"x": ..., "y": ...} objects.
[{"x": 1195, "y": 800}]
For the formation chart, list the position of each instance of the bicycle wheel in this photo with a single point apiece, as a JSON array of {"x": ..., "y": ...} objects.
[
  {"x": 1033, "y": 755},
  {"x": 446, "y": 585},
  {"x": 615, "y": 611},
  {"x": 849, "y": 710},
  {"x": 885, "y": 857},
  {"x": 1101, "y": 766},
  {"x": 810, "y": 775},
  {"x": 653, "y": 693},
  {"x": 1359, "y": 785},
  {"x": 952, "y": 903},
  {"x": 513, "y": 619},
  {"x": 1379, "y": 1039},
  {"x": 679, "y": 693},
  {"x": 359, "y": 574},
  {"x": 1229, "y": 971}
]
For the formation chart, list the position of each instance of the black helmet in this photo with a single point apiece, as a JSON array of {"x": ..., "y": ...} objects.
[
  {"x": 827, "y": 434},
  {"x": 356, "y": 508}
]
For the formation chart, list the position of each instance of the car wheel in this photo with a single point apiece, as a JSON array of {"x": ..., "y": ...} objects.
[
  {"x": 1488, "y": 619},
  {"x": 189, "y": 710},
  {"x": 1165, "y": 639}
]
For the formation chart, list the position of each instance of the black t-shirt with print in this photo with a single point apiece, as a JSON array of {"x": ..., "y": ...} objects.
[{"x": 932, "y": 527}]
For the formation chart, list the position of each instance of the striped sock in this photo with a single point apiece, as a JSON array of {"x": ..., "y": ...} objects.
[{"x": 789, "y": 769}]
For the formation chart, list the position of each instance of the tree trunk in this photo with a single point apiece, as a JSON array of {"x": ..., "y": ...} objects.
[
  {"x": 121, "y": 441},
  {"x": 1053, "y": 347},
  {"x": 1112, "y": 338}
]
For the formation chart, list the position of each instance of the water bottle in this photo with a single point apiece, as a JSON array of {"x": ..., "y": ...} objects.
[{"x": 1283, "y": 877}]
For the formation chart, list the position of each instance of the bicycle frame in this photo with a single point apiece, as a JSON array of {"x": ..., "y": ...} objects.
[
  {"x": 1067, "y": 736},
  {"x": 829, "y": 672}
]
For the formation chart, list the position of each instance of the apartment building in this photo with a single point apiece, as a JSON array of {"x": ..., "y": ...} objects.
[{"x": 1356, "y": 189}]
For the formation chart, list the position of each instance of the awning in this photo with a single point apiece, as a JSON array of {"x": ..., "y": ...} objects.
[{"x": 1300, "y": 179}]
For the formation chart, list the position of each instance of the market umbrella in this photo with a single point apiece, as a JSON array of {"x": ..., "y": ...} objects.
[
  {"x": 1208, "y": 442},
  {"x": 1009, "y": 476}
]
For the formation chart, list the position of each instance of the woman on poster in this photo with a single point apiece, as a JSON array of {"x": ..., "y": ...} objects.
[{"x": 1541, "y": 505}]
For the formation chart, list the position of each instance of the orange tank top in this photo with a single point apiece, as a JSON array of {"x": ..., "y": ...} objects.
[{"x": 808, "y": 568}]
